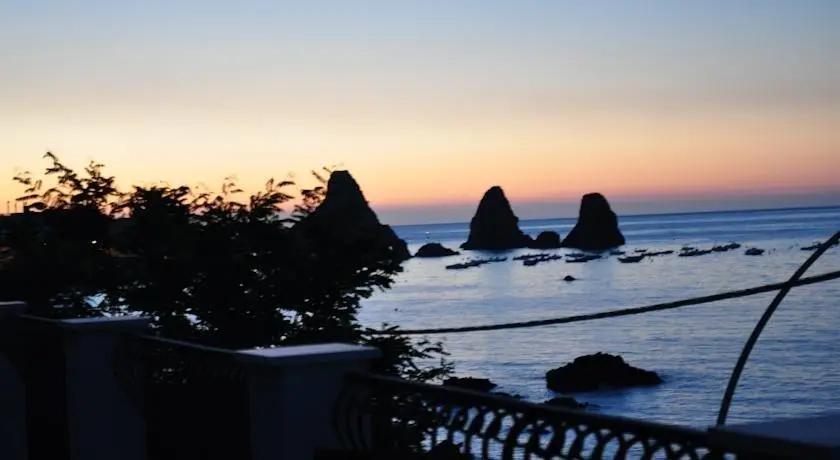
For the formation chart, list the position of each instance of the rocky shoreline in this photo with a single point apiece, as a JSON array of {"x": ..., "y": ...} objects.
[{"x": 585, "y": 374}]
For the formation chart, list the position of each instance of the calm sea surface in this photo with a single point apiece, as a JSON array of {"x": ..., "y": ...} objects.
[{"x": 794, "y": 370}]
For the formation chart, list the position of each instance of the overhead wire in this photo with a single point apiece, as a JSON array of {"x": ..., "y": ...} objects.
[{"x": 734, "y": 294}]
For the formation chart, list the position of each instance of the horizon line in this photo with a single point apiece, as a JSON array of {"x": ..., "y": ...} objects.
[{"x": 726, "y": 211}]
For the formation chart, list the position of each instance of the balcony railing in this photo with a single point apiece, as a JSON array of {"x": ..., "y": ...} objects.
[
  {"x": 102, "y": 388},
  {"x": 194, "y": 399},
  {"x": 378, "y": 415}
]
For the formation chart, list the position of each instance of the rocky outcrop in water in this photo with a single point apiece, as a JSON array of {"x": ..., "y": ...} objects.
[
  {"x": 547, "y": 240},
  {"x": 345, "y": 214},
  {"x": 494, "y": 225},
  {"x": 597, "y": 372},
  {"x": 435, "y": 250},
  {"x": 470, "y": 383},
  {"x": 597, "y": 226},
  {"x": 567, "y": 402}
]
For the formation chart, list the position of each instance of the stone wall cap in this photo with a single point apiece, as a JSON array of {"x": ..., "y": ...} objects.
[
  {"x": 100, "y": 323},
  {"x": 299, "y": 355},
  {"x": 12, "y": 308}
]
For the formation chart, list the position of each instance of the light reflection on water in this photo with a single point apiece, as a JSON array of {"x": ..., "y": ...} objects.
[{"x": 793, "y": 370}]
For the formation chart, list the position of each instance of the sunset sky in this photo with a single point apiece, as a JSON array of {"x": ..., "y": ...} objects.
[{"x": 661, "y": 106}]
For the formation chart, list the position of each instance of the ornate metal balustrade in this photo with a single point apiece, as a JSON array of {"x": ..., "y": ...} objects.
[
  {"x": 381, "y": 415},
  {"x": 194, "y": 398}
]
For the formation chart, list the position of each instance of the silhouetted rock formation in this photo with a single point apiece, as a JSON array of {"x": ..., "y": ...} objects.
[
  {"x": 470, "y": 383},
  {"x": 569, "y": 278},
  {"x": 596, "y": 372},
  {"x": 597, "y": 226},
  {"x": 566, "y": 401},
  {"x": 435, "y": 250},
  {"x": 345, "y": 213},
  {"x": 547, "y": 240},
  {"x": 494, "y": 225}
]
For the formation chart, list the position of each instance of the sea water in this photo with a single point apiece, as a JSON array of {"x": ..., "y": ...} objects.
[{"x": 794, "y": 369}]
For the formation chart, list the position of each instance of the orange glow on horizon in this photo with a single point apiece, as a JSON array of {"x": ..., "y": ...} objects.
[{"x": 425, "y": 163}]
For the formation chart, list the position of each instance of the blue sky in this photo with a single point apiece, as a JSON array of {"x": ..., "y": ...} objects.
[{"x": 636, "y": 99}]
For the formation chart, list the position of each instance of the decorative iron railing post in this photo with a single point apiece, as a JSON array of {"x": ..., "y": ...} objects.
[
  {"x": 102, "y": 422},
  {"x": 293, "y": 393},
  {"x": 12, "y": 392}
]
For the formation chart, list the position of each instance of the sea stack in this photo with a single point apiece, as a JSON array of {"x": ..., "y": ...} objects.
[
  {"x": 495, "y": 226},
  {"x": 597, "y": 226},
  {"x": 547, "y": 240},
  {"x": 429, "y": 250},
  {"x": 598, "y": 372},
  {"x": 345, "y": 213}
]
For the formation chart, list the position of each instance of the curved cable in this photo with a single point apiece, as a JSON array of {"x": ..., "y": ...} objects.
[
  {"x": 614, "y": 313},
  {"x": 759, "y": 327}
]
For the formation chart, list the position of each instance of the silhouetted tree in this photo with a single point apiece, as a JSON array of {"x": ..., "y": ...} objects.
[
  {"x": 59, "y": 250},
  {"x": 210, "y": 268},
  {"x": 311, "y": 198}
]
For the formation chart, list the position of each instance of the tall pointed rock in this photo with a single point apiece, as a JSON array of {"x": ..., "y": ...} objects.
[
  {"x": 597, "y": 226},
  {"x": 494, "y": 225},
  {"x": 345, "y": 214}
]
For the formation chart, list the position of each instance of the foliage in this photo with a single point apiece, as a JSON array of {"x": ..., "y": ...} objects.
[
  {"x": 60, "y": 245},
  {"x": 213, "y": 268},
  {"x": 312, "y": 197},
  {"x": 401, "y": 357}
]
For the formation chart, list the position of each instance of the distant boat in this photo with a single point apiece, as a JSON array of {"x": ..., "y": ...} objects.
[
  {"x": 475, "y": 263},
  {"x": 532, "y": 256},
  {"x": 754, "y": 252},
  {"x": 725, "y": 247},
  {"x": 632, "y": 259},
  {"x": 457, "y": 266},
  {"x": 582, "y": 258}
]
